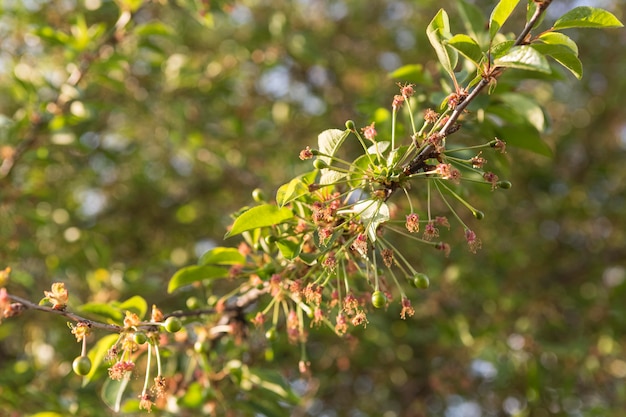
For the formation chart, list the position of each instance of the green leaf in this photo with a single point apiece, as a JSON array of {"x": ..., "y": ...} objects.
[
  {"x": 526, "y": 108},
  {"x": 499, "y": 15},
  {"x": 437, "y": 31},
  {"x": 500, "y": 49},
  {"x": 295, "y": 188},
  {"x": 372, "y": 213},
  {"x": 260, "y": 216},
  {"x": 515, "y": 131},
  {"x": 556, "y": 38},
  {"x": 222, "y": 256},
  {"x": 135, "y": 304},
  {"x": 413, "y": 73},
  {"x": 472, "y": 18},
  {"x": 329, "y": 141},
  {"x": 564, "y": 56},
  {"x": 524, "y": 57},
  {"x": 194, "y": 273},
  {"x": 154, "y": 28},
  {"x": 468, "y": 47},
  {"x": 103, "y": 310},
  {"x": 587, "y": 17},
  {"x": 289, "y": 249}
]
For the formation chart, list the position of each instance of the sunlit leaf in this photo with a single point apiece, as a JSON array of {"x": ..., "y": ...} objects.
[
  {"x": 587, "y": 17},
  {"x": 135, "y": 304},
  {"x": 564, "y": 56},
  {"x": 500, "y": 14},
  {"x": 329, "y": 142},
  {"x": 413, "y": 73},
  {"x": 437, "y": 31},
  {"x": 467, "y": 47},
  {"x": 557, "y": 38},
  {"x": 103, "y": 310},
  {"x": 222, "y": 256},
  {"x": 295, "y": 188},
  {"x": 113, "y": 392},
  {"x": 98, "y": 353},
  {"x": 372, "y": 213},
  {"x": 260, "y": 216},
  {"x": 524, "y": 57},
  {"x": 525, "y": 107},
  {"x": 195, "y": 273}
]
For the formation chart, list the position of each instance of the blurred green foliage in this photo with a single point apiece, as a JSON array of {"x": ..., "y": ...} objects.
[{"x": 181, "y": 113}]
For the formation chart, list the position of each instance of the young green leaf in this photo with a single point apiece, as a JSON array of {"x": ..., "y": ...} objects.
[
  {"x": 413, "y": 73},
  {"x": 587, "y": 17},
  {"x": 260, "y": 216},
  {"x": 329, "y": 141},
  {"x": 563, "y": 55},
  {"x": 525, "y": 107},
  {"x": 289, "y": 249},
  {"x": 557, "y": 38},
  {"x": 524, "y": 57},
  {"x": 499, "y": 15},
  {"x": 194, "y": 273},
  {"x": 468, "y": 47},
  {"x": 136, "y": 304},
  {"x": 437, "y": 31},
  {"x": 295, "y": 188},
  {"x": 222, "y": 256}
]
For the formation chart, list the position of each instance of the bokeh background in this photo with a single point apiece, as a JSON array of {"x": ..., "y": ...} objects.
[{"x": 196, "y": 103}]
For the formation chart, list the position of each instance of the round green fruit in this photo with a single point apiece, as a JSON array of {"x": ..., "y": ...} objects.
[
  {"x": 379, "y": 299},
  {"x": 258, "y": 195},
  {"x": 81, "y": 365},
  {"x": 319, "y": 164},
  {"x": 172, "y": 324},
  {"x": 140, "y": 338},
  {"x": 421, "y": 281},
  {"x": 270, "y": 334}
]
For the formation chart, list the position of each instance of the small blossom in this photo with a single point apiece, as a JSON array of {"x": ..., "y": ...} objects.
[
  {"x": 318, "y": 317},
  {"x": 359, "y": 319},
  {"x": 58, "y": 296},
  {"x": 442, "y": 221},
  {"x": 324, "y": 234},
  {"x": 473, "y": 242},
  {"x": 330, "y": 262},
  {"x": 444, "y": 247},
  {"x": 313, "y": 294},
  {"x": 120, "y": 369},
  {"x": 398, "y": 100},
  {"x": 412, "y": 223},
  {"x": 81, "y": 330},
  {"x": 244, "y": 249},
  {"x": 145, "y": 402},
  {"x": 387, "y": 255},
  {"x": 407, "y": 309},
  {"x": 430, "y": 231},
  {"x": 350, "y": 304},
  {"x": 157, "y": 315},
  {"x": 457, "y": 98},
  {"x": 159, "y": 386},
  {"x": 258, "y": 320},
  {"x": 491, "y": 178},
  {"x": 306, "y": 153},
  {"x": 360, "y": 245},
  {"x": 407, "y": 90},
  {"x": 293, "y": 326},
  {"x": 304, "y": 367},
  {"x": 499, "y": 145},
  {"x": 369, "y": 132},
  {"x": 478, "y": 161},
  {"x": 430, "y": 116},
  {"x": 131, "y": 320},
  {"x": 341, "y": 326}
]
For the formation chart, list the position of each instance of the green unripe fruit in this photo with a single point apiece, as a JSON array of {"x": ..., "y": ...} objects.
[
  {"x": 192, "y": 303},
  {"x": 504, "y": 184},
  {"x": 271, "y": 334},
  {"x": 350, "y": 125},
  {"x": 319, "y": 164},
  {"x": 479, "y": 215},
  {"x": 172, "y": 324},
  {"x": 81, "y": 365},
  {"x": 258, "y": 195},
  {"x": 421, "y": 281},
  {"x": 140, "y": 338},
  {"x": 379, "y": 299}
]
